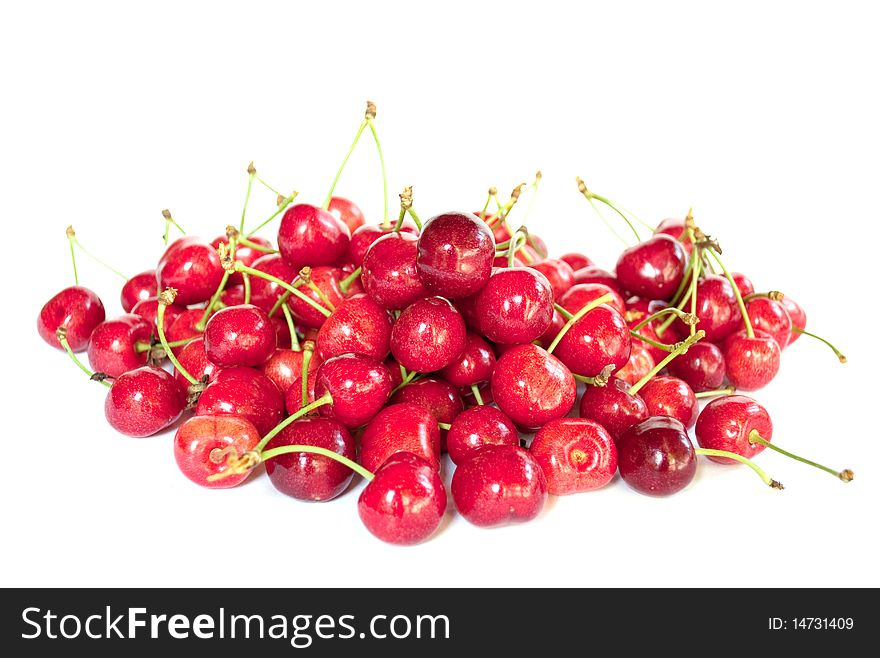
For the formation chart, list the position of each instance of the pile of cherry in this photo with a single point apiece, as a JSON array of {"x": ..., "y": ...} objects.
[{"x": 370, "y": 349}]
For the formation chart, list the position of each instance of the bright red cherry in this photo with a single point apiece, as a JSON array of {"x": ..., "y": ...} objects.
[
  {"x": 359, "y": 326},
  {"x": 576, "y": 260},
  {"x": 326, "y": 279},
  {"x": 751, "y": 362},
  {"x": 346, "y": 212},
  {"x": 192, "y": 267},
  {"x": 798, "y": 317},
  {"x": 199, "y": 436},
  {"x": 306, "y": 475},
  {"x": 358, "y": 385},
  {"x": 656, "y": 457},
  {"x": 144, "y": 401},
  {"x": 243, "y": 392},
  {"x": 138, "y": 288},
  {"x": 674, "y": 228},
  {"x": 593, "y": 274},
  {"x": 653, "y": 268},
  {"x": 598, "y": 339},
  {"x": 428, "y": 335},
  {"x": 456, "y": 250},
  {"x": 515, "y": 306},
  {"x": 366, "y": 235},
  {"x": 770, "y": 317},
  {"x": 148, "y": 309},
  {"x": 499, "y": 484},
  {"x": 743, "y": 283},
  {"x": 77, "y": 309},
  {"x": 532, "y": 386},
  {"x": 113, "y": 345},
  {"x": 717, "y": 309},
  {"x": 581, "y": 294},
  {"x": 477, "y": 427},
  {"x": 670, "y": 396},
  {"x": 726, "y": 422},
  {"x": 558, "y": 273},
  {"x": 240, "y": 336},
  {"x": 613, "y": 407},
  {"x": 194, "y": 359},
  {"x": 402, "y": 427},
  {"x": 389, "y": 274},
  {"x": 247, "y": 255},
  {"x": 436, "y": 395},
  {"x": 309, "y": 235},
  {"x": 266, "y": 293},
  {"x": 702, "y": 366},
  {"x": 474, "y": 365},
  {"x": 405, "y": 502},
  {"x": 640, "y": 363},
  {"x": 185, "y": 327},
  {"x": 545, "y": 339},
  {"x": 284, "y": 368},
  {"x": 575, "y": 455}
]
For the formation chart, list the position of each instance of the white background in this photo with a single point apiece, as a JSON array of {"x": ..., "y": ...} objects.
[{"x": 763, "y": 117}]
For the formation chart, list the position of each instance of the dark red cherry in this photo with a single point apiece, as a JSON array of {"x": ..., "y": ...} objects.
[
  {"x": 558, "y": 273},
  {"x": 76, "y": 308},
  {"x": 243, "y": 392},
  {"x": 309, "y": 235},
  {"x": 347, "y": 212},
  {"x": 144, "y": 401},
  {"x": 266, "y": 293},
  {"x": 545, "y": 339},
  {"x": 474, "y": 365},
  {"x": 637, "y": 309},
  {"x": 674, "y": 228},
  {"x": 598, "y": 339},
  {"x": 497, "y": 485},
  {"x": 240, "y": 336},
  {"x": 576, "y": 260},
  {"x": 148, "y": 309},
  {"x": 613, "y": 407},
  {"x": 653, "y": 268},
  {"x": 436, "y": 395},
  {"x": 532, "y": 386},
  {"x": 575, "y": 455},
  {"x": 326, "y": 279},
  {"x": 306, "y": 475},
  {"x": 198, "y": 436},
  {"x": 138, "y": 288},
  {"x": 702, "y": 366},
  {"x": 389, "y": 274},
  {"x": 359, "y": 326},
  {"x": 486, "y": 396},
  {"x": 770, "y": 317},
  {"x": 670, "y": 396},
  {"x": 656, "y": 457},
  {"x": 743, "y": 283},
  {"x": 515, "y": 306},
  {"x": 358, "y": 385},
  {"x": 405, "y": 502},
  {"x": 581, "y": 294},
  {"x": 798, "y": 317},
  {"x": 640, "y": 363},
  {"x": 113, "y": 345},
  {"x": 284, "y": 368},
  {"x": 456, "y": 250},
  {"x": 428, "y": 335},
  {"x": 232, "y": 295},
  {"x": 593, "y": 274},
  {"x": 717, "y": 309},
  {"x": 293, "y": 394},
  {"x": 192, "y": 267},
  {"x": 477, "y": 427},
  {"x": 402, "y": 427},
  {"x": 726, "y": 422},
  {"x": 247, "y": 255},
  {"x": 193, "y": 358},
  {"x": 751, "y": 362}
]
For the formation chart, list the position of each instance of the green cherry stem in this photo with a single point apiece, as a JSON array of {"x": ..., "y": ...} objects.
[
  {"x": 369, "y": 115},
  {"x": 227, "y": 253},
  {"x": 534, "y": 187},
  {"x": 74, "y": 241},
  {"x": 846, "y": 475},
  {"x": 750, "y": 332},
  {"x": 599, "y": 380},
  {"x": 517, "y": 240},
  {"x": 415, "y": 218},
  {"x": 247, "y": 197},
  {"x": 308, "y": 351},
  {"x": 246, "y": 279},
  {"x": 61, "y": 335},
  {"x": 775, "y": 295},
  {"x": 650, "y": 341},
  {"x": 604, "y": 299},
  {"x": 294, "y": 340},
  {"x": 695, "y": 279},
  {"x": 71, "y": 239},
  {"x": 169, "y": 222},
  {"x": 492, "y": 193},
  {"x": 345, "y": 283},
  {"x": 317, "y": 450},
  {"x": 840, "y": 356},
  {"x": 167, "y": 297},
  {"x": 140, "y": 348},
  {"x": 305, "y": 274},
  {"x": 370, "y": 121},
  {"x": 685, "y": 282},
  {"x": 590, "y": 196},
  {"x": 244, "y": 242},
  {"x": 283, "y": 202},
  {"x": 477, "y": 396},
  {"x": 444, "y": 426},
  {"x": 770, "y": 482},
  {"x": 408, "y": 378},
  {"x": 681, "y": 348},
  {"x": 320, "y": 402},
  {"x": 563, "y": 311},
  {"x": 238, "y": 266},
  {"x": 268, "y": 187},
  {"x": 687, "y": 318},
  {"x": 718, "y": 392}
]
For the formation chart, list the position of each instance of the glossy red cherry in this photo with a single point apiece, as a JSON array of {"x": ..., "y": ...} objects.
[
  {"x": 359, "y": 326},
  {"x": 477, "y": 427},
  {"x": 670, "y": 396},
  {"x": 113, "y": 345},
  {"x": 366, "y": 235},
  {"x": 428, "y": 335},
  {"x": 515, "y": 306},
  {"x": 717, "y": 309},
  {"x": 247, "y": 255},
  {"x": 653, "y": 268},
  {"x": 243, "y": 392},
  {"x": 326, "y": 279},
  {"x": 185, "y": 327},
  {"x": 593, "y": 274},
  {"x": 497, "y": 485},
  {"x": 194, "y": 359},
  {"x": 743, "y": 283},
  {"x": 558, "y": 273},
  {"x": 656, "y": 457},
  {"x": 798, "y": 317},
  {"x": 347, "y": 212},
  {"x": 144, "y": 401},
  {"x": 266, "y": 293},
  {"x": 640, "y": 363},
  {"x": 575, "y": 455},
  {"x": 402, "y": 427},
  {"x": 545, "y": 339},
  {"x": 598, "y": 339},
  {"x": 358, "y": 385},
  {"x": 532, "y": 386},
  {"x": 293, "y": 394},
  {"x": 674, "y": 228},
  {"x": 284, "y": 368},
  {"x": 138, "y": 288},
  {"x": 456, "y": 250},
  {"x": 405, "y": 502},
  {"x": 474, "y": 365},
  {"x": 198, "y": 436},
  {"x": 389, "y": 274},
  {"x": 436, "y": 395},
  {"x": 240, "y": 336},
  {"x": 309, "y": 235},
  {"x": 306, "y": 475},
  {"x": 581, "y": 294},
  {"x": 613, "y": 407},
  {"x": 702, "y": 367},
  {"x": 76, "y": 308},
  {"x": 576, "y": 260},
  {"x": 770, "y": 317},
  {"x": 148, "y": 309},
  {"x": 751, "y": 362},
  {"x": 192, "y": 267},
  {"x": 726, "y": 422}
]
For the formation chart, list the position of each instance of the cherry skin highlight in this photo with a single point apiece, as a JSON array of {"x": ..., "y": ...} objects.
[
  {"x": 515, "y": 306},
  {"x": 198, "y": 436},
  {"x": 192, "y": 267},
  {"x": 194, "y": 359},
  {"x": 243, "y": 392},
  {"x": 575, "y": 455},
  {"x": 428, "y": 335},
  {"x": 743, "y": 283},
  {"x": 670, "y": 396},
  {"x": 358, "y": 385},
  {"x": 653, "y": 268},
  {"x": 402, "y": 427},
  {"x": 389, "y": 274},
  {"x": 347, "y": 212},
  {"x": 770, "y": 317},
  {"x": 751, "y": 363},
  {"x": 725, "y": 424},
  {"x": 113, "y": 345},
  {"x": 455, "y": 254},
  {"x": 77, "y": 309},
  {"x": 309, "y": 235},
  {"x": 702, "y": 366},
  {"x": 598, "y": 339},
  {"x": 581, "y": 294},
  {"x": 613, "y": 407},
  {"x": 138, "y": 288},
  {"x": 477, "y": 427},
  {"x": 358, "y": 326},
  {"x": 240, "y": 336},
  {"x": 559, "y": 274},
  {"x": 474, "y": 365},
  {"x": 656, "y": 457},
  {"x": 144, "y": 401}
]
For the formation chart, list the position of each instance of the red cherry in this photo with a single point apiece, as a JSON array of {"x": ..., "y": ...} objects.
[
  {"x": 515, "y": 306},
  {"x": 389, "y": 274},
  {"x": 653, "y": 268},
  {"x": 113, "y": 345},
  {"x": 743, "y": 283},
  {"x": 428, "y": 335},
  {"x": 148, "y": 309},
  {"x": 640, "y": 363},
  {"x": 326, "y": 279},
  {"x": 405, "y": 502},
  {"x": 309, "y": 235},
  {"x": 558, "y": 273},
  {"x": 358, "y": 385},
  {"x": 503, "y": 262},
  {"x": 581, "y": 294},
  {"x": 76, "y": 308},
  {"x": 306, "y": 475},
  {"x": 726, "y": 422},
  {"x": 532, "y": 386},
  {"x": 192, "y": 267},
  {"x": 185, "y": 327},
  {"x": 798, "y": 317},
  {"x": 717, "y": 309},
  {"x": 240, "y": 336},
  {"x": 144, "y": 401},
  {"x": 359, "y": 326},
  {"x": 674, "y": 228},
  {"x": 598, "y": 339},
  {"x": 293, "y": 395},
  {"x": 437, "y": 396},
  {"x": 656, "y": 457},
  {"x": 247, "y": 255},
  {"x": 637, "y": 309},
  {"x": 613, "y": 407},
  {"x": 284, "y": 368},
  {"x": 455, "y": 256},
  {"x": 486, "y": 397},
  {"x": 575, "y": 455},
  {"x": 770, "y": 317},
  {"x": 194, "y": 360},
  {"x": 751, "y": 362},
  {"x": 593, "y": 274},
  {"x": 576, "y": 261},
  {"x": 403, "y": 427},
  {"x": 473, "y": 366},
  {"x": 499, "y": 484},
  {"x": 670, "y": 396},
  {"x": 138, "y": 288},
  {"x": 702, "y": 366},
  {"x": 243, "y": 392},
  {"x": 233, "y": 295},
  {"x": 547, "y": 337},
  {"x": 198, "y": 436},
  {"x": 266, "y": 293},
  {"x": 366, "y": 235},
  {"x": 477, "y": 427},
  {"x": 346, "y": 212}
]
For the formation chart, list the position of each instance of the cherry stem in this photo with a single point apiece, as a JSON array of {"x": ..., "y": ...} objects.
[
  {"x": 291, "y": 327},
  {"x": 246, "y": 278},
  {"x": 74, "y": 241},
  {"x": 840, "y": 357},
  {"x": 589, "y": 196},
  {"x": 247, "y": 197},
  {"x": 169, "y": 221},
  {"x": 71, "y": 239},
  {"x": 750, "y": 332},
  {"x": 599, "y": 380},
  {"x": 683, "y": 286},
  {"x": 846, "y": 475},
  {"x": 687, "y": 318},
  {"x": 492, "y": 193},
  {"x": 477, "y": 396},
  {"x": 385, "y": 222},
  {"x": 281, "y": 208},
  {"x": 61, "y": 335},
  {"x": 534, "y": 186},
  {"x": 727, "y": 390},
  {"x": 268, "y": 187},
  {"x": 320, "y": 402},
  {"x": 317, "y": 450},
  {"x": 209, "y": 309},
  {"x": 282, "y": 300},
  {"x": 415, "y": 218},
  {"x": 140, "y": 347},
  {"x": 650, "y": 341},
  {"x": 607, "y": 202},
  {"x": 408, "y": 378},
  {"x": 775, "y": 295},
  {"x": 681, "y": 348},
  {"x": 770, "y": 482},
  {"x": 354, "y": 143},
  {"x": 306, "y": 275},
  {"x": 444, "y": 426},
  {"x": 244, "y": 242},
  {"x": 516, "y": 242},
  {"x": 345, "y": 283},
  {"x": 165, "y": 298},
  {"x": 608, "y": 297},
  {"x": 564, "y": 312},
  {"x": 238, "y": 266},
  {"x": 695, "y": 279}
]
